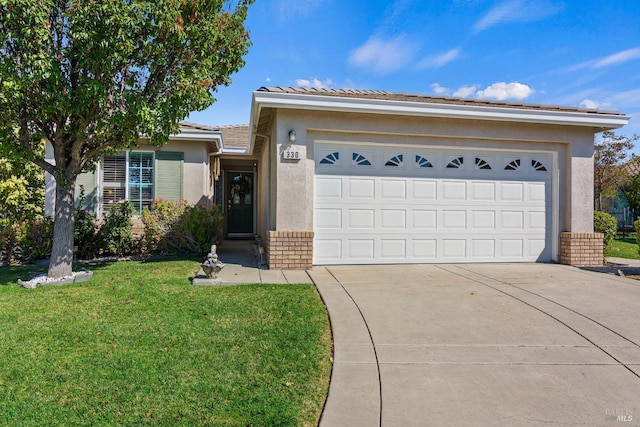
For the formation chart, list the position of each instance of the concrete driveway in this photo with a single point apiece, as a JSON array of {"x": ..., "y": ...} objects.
[{"x": 483, "y": 344}]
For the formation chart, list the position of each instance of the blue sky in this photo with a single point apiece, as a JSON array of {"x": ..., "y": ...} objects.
[{"x": 572, "y": 52}]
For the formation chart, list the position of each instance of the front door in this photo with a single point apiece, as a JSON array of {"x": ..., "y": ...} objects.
[{"x": 240, "y": 197}]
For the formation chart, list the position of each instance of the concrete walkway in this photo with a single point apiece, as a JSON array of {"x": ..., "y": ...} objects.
[
  {"x": 481, "y": 345},
  {"x": 241, "y": 267}
]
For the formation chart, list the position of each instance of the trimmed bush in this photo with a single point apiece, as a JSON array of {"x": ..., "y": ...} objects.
[
  {"x": 174, "y": 227},
  {"x": 116, "y": 234},
  {"x": 606, "y": 224},
  {"x": 26, "y": 241}
]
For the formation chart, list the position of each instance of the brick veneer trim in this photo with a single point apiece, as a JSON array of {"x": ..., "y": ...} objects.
[
  {"x": 289, "y": 250},
  {"x": 581, "y": 249}
]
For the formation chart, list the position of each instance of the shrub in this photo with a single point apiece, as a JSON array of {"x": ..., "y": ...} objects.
[
  {"x": 636, "y": 225},
  {"x": 26, "y": 241},
  {"x": 116, "y": 236},
  {"x": 39, "y": 239},
  {"x": 85, "y": 229},
  {"x": 606, "y": 224},
  {"x": 174, "y": 227}
]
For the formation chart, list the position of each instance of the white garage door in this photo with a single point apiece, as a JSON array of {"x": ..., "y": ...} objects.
[{"x": 380, "y": 205}]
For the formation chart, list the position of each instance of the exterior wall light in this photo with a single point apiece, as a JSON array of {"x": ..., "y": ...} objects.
[{"x": 292, "y": 136}]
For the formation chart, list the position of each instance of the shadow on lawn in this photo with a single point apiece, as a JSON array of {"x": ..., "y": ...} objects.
[{"x": 9, "y": 274}]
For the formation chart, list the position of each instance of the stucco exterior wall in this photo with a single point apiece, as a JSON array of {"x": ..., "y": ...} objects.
[
  {"x": 197, "y": 186},
  {"x": 571, "y": 147},
  {"x": 196, "y": 180}
]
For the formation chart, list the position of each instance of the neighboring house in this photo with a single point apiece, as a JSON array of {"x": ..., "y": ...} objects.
[{"x": 369, "y": 177}]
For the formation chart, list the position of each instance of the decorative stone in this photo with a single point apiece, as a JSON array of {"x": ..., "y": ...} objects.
[{"x": 44, "y": 280}]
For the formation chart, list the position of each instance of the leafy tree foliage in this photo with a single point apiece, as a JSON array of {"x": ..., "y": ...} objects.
[
  {"x": 630, "y": 189},
  {"x": 21, "y": 191},
  {"x": 93, "y": 76},
  {"x": 611, "y": 151}
]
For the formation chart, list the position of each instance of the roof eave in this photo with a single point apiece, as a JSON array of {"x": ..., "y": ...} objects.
[
  {"x": 214, "y": 137},
  {"x": 602, "y": 121}
]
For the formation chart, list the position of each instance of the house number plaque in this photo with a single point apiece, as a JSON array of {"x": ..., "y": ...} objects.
[{"x": 291, "y": 154}]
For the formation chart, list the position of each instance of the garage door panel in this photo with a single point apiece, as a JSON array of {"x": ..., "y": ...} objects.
[
  {"x": 361, "y": 249},
  {"x": 327, "y": 188},
  {"x": 483, "y": 191},
  {"x": 483, "y": 248},
  {"x": 512, "y": 248},
  {"x": 328, "y": 218},
  {"x": 393, "y": 219},
  {"x": 393, "y": 189},
  {"x": 424, "y": 249},
  {"x": 483, "y": 220},
  {"x": 328, "y": 251},
  {"x": 418, "y": 210},
  {"x": 454, "y": 219},
  {"x": 424, "y": 219},
  {"x": 425, "y": 190},
  {"x": 361, "y": 188},
  {"x": 393, "y": 249},
  {"x": 512, "y": 220},
  {"x": 454, "y": 191},
  {"x": 361, "y": 219},
  {"x": 454, "y": 248}
]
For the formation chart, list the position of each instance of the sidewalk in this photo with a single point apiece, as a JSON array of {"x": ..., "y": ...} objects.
[
  {"x": 624, "y": 261},
  {"x": 241, "y": 267}
]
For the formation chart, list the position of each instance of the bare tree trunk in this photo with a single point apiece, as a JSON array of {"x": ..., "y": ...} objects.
[{"x": 62, "y": 250}]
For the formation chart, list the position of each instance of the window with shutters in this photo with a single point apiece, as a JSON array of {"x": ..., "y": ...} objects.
[{"x": 128, "y": 176}]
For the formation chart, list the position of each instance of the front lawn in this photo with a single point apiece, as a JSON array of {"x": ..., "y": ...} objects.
[
  {"x": 138, "y": 345},
  {"x": 624, "y": 248}
]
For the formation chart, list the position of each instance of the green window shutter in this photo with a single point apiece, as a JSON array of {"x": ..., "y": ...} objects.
[
  {"x": 89, "y": 182},
  {"x": 168, "y": 174}
]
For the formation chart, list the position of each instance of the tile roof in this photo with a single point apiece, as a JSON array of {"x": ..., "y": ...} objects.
[
  {"x": 195, "y": 127},
  {"x": 404, "y": 97},
  {"x": 235, "y": 136}
]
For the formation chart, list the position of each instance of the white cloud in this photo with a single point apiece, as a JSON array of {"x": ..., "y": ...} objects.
[
  {"x": 315, "y": 83},
  {"x": 465, "y": 91},
  {"x": 619, "y": 58},
  {"x": 439, "y": 90},
  {"x": 383, "y": 56},
  {"x": 517, "y": 11},
  {"x": 268, "y": 79},
  {"x": 439, "y": 60},
  {"x": 503, "y": 90},
  {"x": 590, "y": 103}
]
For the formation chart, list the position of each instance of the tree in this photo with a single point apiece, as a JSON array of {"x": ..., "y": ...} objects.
[
  {"x": 610, "y": 152},
  {"x": 93, "y": 76},
  {"x": 630, "y": 189}
]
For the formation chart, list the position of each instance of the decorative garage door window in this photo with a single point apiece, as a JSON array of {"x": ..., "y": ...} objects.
[
  {"x": 395, "y": 161},
  {"x": 456, "y": 163},
  {"x": 423, "y": 162},
  {"x": 538, "y": 166},
  {"x": 331, "y": 158},
  {"x": 449, "y": 205},
  {"x": 370, "y": 160},
  {"x": 513, "y": 165},
  {"x": 482, "y": 164},
  {"x": 360, "y": 159}
]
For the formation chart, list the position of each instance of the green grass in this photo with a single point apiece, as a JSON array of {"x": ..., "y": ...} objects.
[
  {"x": 139, "y": 345},
  {"x": 624, "y": 248}
]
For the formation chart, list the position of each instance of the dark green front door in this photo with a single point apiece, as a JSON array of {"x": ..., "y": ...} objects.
[{"x": 240, "y": 202}]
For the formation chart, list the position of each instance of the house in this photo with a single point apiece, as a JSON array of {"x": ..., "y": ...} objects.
[{"x": 368, "y": 177}]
